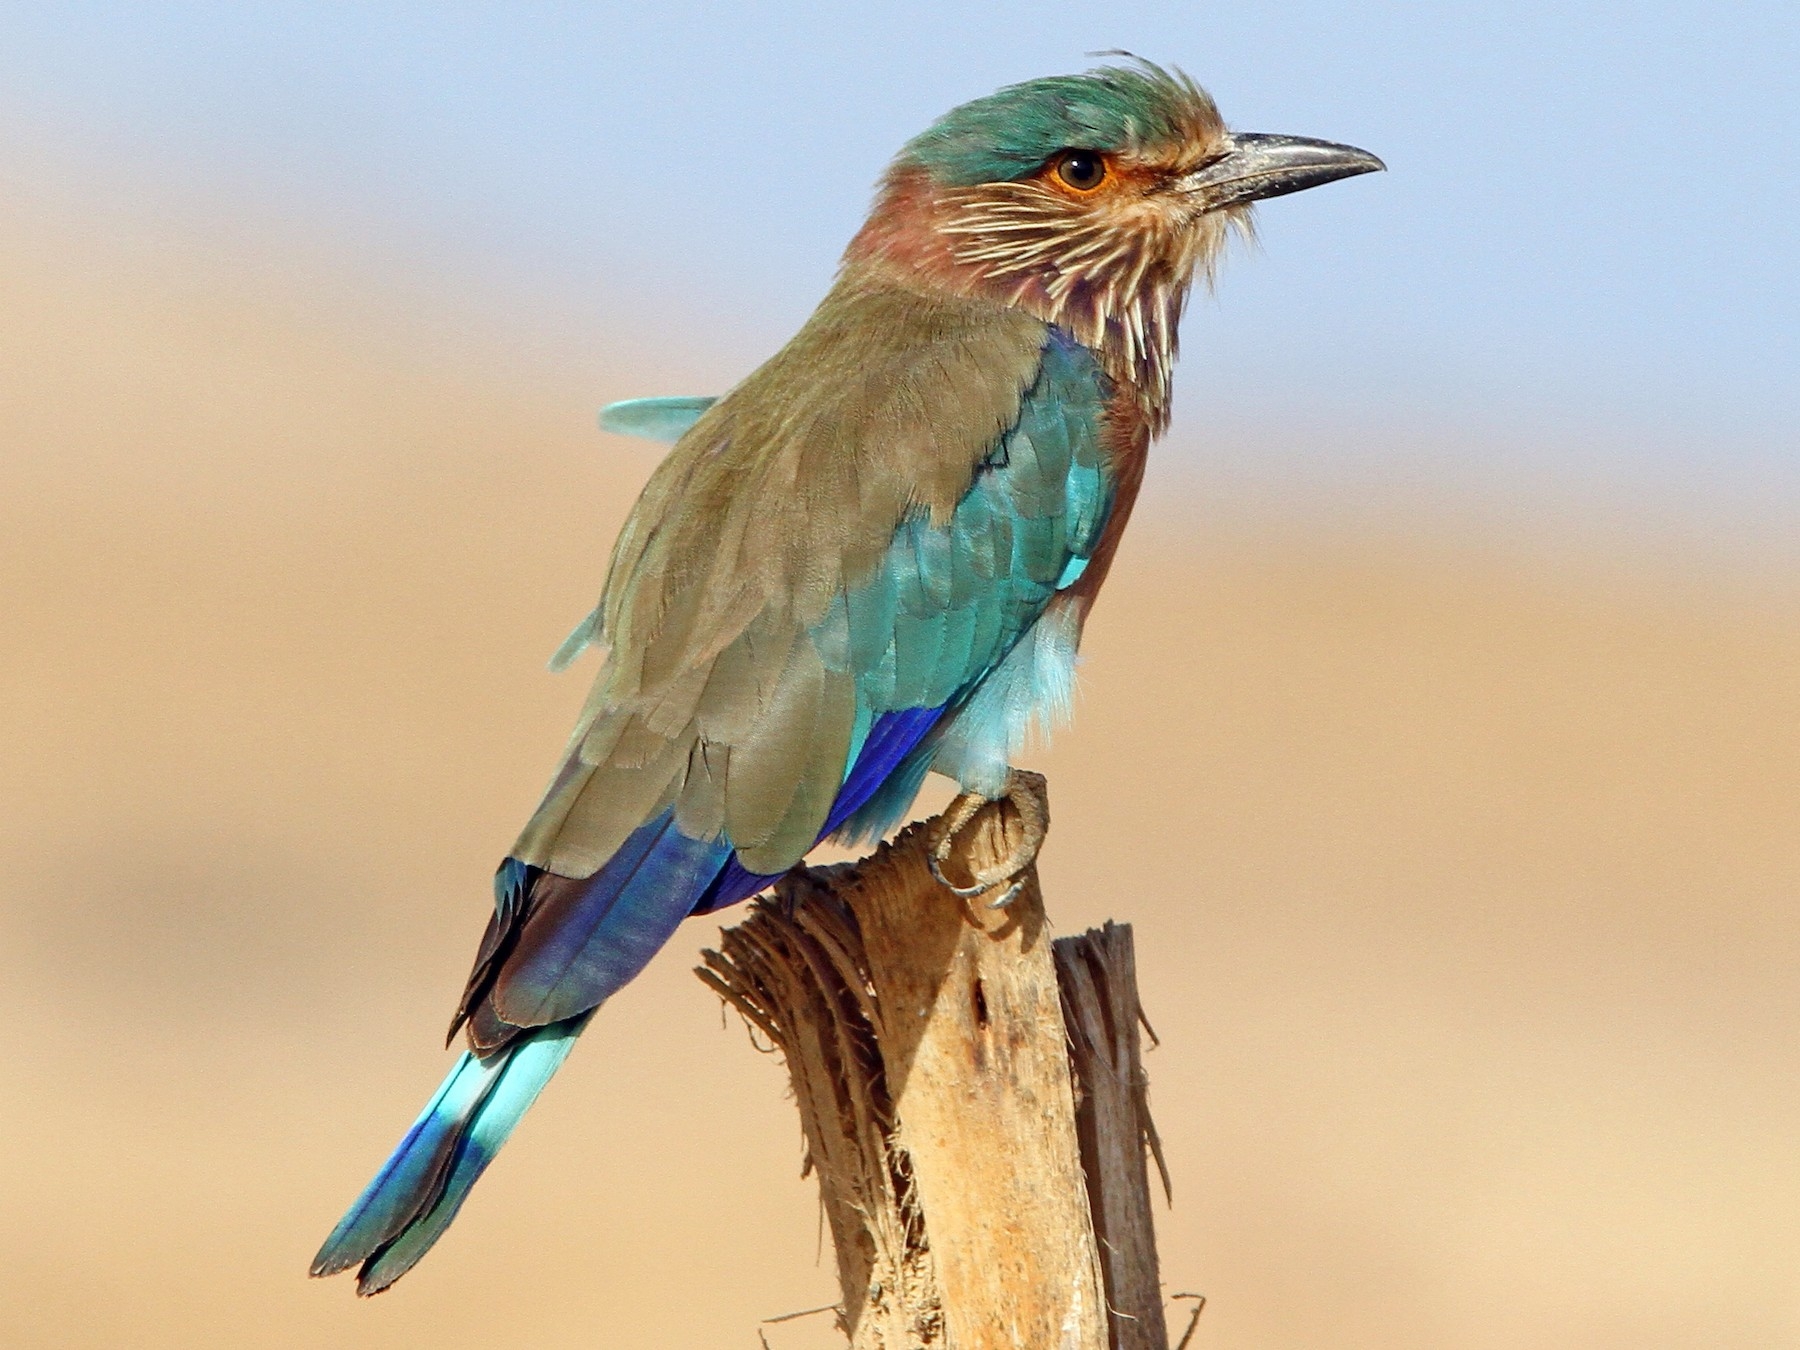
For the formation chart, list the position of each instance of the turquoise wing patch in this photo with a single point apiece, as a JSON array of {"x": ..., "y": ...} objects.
[{"x": 950, "y": 618}]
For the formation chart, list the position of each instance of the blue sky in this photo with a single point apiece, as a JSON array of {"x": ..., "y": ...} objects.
[{"x": 1583, "y": 262}]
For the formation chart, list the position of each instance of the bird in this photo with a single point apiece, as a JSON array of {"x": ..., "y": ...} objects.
[{"x": 869, "y": 560}]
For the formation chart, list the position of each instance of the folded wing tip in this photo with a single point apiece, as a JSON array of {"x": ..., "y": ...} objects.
[{"x": 654, "y": 419}]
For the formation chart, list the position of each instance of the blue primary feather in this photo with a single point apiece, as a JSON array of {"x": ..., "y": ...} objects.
[
  {"x": 623, "y": 917},
  {"x": 888, "y": 801}
]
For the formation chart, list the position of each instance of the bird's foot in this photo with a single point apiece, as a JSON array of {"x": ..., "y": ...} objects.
[{"x": 982, "y": 849}]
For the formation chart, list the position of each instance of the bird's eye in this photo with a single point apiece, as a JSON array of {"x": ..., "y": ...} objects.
[{"x": 1082, "y": 170}]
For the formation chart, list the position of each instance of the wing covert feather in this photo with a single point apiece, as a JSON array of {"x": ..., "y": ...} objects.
[
  {"x": 738, "y": 606},
  {"x": 870, "y": 559}
]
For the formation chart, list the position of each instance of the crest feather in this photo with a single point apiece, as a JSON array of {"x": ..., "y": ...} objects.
[{"x": 1012, "y": 132}]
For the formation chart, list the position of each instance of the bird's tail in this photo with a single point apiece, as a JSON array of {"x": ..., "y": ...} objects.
[{"x": 418, "y": 1191}]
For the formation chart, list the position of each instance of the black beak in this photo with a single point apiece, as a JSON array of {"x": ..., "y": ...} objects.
[{"x": 1254, "y": 167}]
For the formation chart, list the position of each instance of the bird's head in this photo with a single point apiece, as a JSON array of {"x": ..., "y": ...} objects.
[{"x": 1090, "y": 200}]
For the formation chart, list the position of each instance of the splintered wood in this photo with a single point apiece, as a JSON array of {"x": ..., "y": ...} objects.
[
  {"x": 973, "y": 1105},
  {"x": 1098, "y": 974}
]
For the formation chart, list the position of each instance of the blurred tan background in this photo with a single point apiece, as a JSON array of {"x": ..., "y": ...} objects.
[{"x": 1464, "y": 873}]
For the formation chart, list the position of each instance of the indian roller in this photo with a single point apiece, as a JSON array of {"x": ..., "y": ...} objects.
[{"x": 870, "y": 560}]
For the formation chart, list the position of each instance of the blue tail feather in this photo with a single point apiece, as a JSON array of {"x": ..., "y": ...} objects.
[
  {"x": 412, "y": 1177},
  {"x": 594, "y": 937},
  {"x": 587, "y": 940},
  {"x": 419, "y": 1191}
]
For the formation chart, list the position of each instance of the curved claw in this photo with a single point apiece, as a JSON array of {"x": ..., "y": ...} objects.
[{"x": 1019, "y": 818}]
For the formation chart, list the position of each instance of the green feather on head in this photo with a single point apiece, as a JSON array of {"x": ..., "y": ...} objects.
[{"x": 1011, "y": 133}]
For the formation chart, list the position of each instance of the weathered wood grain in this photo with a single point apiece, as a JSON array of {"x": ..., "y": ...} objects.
[
  {"x": 924, "y": 1032},
  {"x": 1098, "y": 974}
]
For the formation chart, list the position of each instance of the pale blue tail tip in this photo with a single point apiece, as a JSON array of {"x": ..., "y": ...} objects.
[{"x": 412, "y": 1200}]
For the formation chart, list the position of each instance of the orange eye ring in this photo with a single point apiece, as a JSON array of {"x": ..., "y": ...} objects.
[{"x": 1081, "y": 171}]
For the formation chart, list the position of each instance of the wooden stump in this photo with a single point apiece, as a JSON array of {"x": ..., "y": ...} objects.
[
  {"x": 972, "y": 1102},
  {"x": 1098, "y": 975}
]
